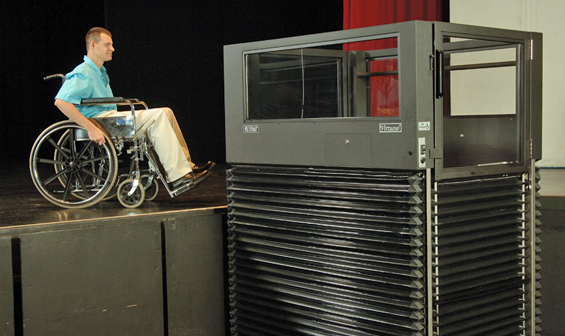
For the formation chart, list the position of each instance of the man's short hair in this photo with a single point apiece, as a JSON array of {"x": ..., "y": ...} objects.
[{"x": 94, "y": 35}]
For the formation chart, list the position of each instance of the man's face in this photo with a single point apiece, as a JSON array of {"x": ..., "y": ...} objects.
[{"x": 104, "y": 48}]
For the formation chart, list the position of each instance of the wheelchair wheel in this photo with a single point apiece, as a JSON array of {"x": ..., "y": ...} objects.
[
  {"x": 129, "y": 197},
  {"x": 152, "y": 189},
  {"x": 94, "y": 151},
  {"x": 68, "y": 169}
]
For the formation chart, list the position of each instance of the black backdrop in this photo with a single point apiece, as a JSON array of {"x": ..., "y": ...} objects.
[{"x": 168, "y": 53}]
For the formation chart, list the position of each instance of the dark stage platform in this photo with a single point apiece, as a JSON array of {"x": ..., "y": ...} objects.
[{"x": 158, "y": 269}]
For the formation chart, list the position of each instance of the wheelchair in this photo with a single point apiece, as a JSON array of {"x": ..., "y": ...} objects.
[{"x": 71, "y": 171}]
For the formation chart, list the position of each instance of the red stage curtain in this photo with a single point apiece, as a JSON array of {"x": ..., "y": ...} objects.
[{"x": 366, "y": 13}]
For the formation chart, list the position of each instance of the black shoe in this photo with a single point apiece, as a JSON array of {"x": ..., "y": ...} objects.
[
  {"x": 208, "y": 166},
  {"x": 190, "y": 177}
]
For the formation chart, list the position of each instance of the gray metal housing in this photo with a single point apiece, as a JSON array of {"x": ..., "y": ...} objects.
[{"x": 425, "y": 139}]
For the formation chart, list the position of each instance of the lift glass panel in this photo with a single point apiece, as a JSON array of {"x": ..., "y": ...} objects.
[{"x": 316, "y": 82}]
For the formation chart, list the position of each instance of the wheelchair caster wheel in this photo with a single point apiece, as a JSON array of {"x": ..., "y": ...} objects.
[
  {"x": 130, "y": 197},
  {"x": 152, "y": 189}
]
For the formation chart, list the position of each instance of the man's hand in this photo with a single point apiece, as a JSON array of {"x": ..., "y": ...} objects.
[
  {"x": 68, "y": 109},
  {"x": 96, "y": 135}
]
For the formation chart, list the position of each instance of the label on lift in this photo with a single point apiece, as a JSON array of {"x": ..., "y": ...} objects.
[
  {"x": 424, "y": 126},
  {"x": 390, "y": 128},
  {"x": 250, "y": 128}
]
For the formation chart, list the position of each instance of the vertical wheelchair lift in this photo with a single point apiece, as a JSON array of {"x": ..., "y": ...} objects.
[{"x": 383, "y": 182}]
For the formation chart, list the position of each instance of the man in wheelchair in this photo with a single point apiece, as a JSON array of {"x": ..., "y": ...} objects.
[{"x": 159, "y": 125}]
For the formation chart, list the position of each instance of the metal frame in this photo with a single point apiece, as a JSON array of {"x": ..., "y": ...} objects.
[
  {"x": 260, "y": 148},
  {"x": 140, "y": 149},
  {"x": 322, "y": 141},
  {"x": 528, "y": 104},
  {"x": 357, "y": 141},
  {"x": 129, "y": 187}
]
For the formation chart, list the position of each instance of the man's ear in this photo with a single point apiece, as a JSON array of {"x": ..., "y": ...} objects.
[{"x": 91, "y": 45}]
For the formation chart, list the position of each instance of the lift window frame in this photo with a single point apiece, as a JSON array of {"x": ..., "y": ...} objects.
[{"x": 470, "y": 144}]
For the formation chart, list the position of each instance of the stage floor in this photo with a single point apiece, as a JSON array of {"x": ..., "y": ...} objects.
[{"x": 22, "y": 204}]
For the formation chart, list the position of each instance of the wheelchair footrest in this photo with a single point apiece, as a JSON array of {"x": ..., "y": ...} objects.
[
  {"x": 190, "y": 185},
  {"x": 183, "y": 188}
]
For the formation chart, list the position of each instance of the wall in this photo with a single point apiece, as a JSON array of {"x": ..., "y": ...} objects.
[
  {"x": 39, "y": 38},
  {"x": 531, "y": 15}
]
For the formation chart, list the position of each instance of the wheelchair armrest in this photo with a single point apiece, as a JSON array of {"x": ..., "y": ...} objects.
[
  {"x": 101, "y": 101},
  {"x": 114, "y": 100}
]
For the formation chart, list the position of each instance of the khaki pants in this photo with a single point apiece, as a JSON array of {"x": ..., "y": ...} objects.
[{"x": 162, "y": 129}]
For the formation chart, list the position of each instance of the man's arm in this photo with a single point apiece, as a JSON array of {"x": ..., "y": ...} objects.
[{"x": 68, "y": 109}]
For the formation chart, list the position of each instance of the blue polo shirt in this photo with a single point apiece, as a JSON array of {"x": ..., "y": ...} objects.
[{"x": 87, "y": 81}]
